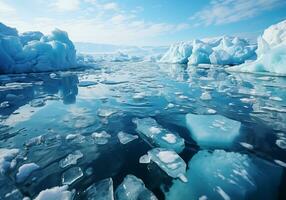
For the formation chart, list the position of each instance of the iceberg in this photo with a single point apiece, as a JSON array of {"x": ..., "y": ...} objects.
[
  {"x": 271, "y": 52},
  {"x": 227, "y": 175},
  {"x": 35, "y": 52},
  {"x": 149, "y": 129},
  {"x": 55, "y": 193},
  {"x": 212, "y": 130},
  {"x": 102, "y": 190},
  {"x": 170, "y": 162},
  {"x": 7, "y": 159},
  {"x": 133, "y": 188},
  {"x": 224, "y": 50}
]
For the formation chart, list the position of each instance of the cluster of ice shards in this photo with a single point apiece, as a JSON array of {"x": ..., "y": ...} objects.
[
  {"x": 35, "y": 52},
  {"x": 159, "y": 136},
  {"x": 221, "y": 51},
  {"x": 271, "y": 52},
  {"x": 227, "y": 175}
]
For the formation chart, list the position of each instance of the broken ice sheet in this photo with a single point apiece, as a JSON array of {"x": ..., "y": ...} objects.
[
  {"x": 125, "y": 138},
  {"x": 101, "y": 190},
  {"x": 101, "y": 137},
  {"x": 71, "y": 175},
  {"x": 212, "y": 130},
  {"x": 71, "y": 159},
  {"x": 170, "y": 162},
  {"x": 158, "y": 135},
  {"x": 133, "y": 188}
]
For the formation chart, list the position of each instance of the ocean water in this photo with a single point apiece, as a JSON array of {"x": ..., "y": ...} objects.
[{"x": 38, "y": 111}]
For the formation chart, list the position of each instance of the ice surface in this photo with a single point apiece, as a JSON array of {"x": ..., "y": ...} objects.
[
  {"x": 71, "y": 159},
  {"x": 34, "y": 52},
  {"x": 212, "y": 130},
  {"x": 158, "y": 135},
  {"x": 125, "y": 138},
  {"x": 169, "y": 161},
  {"x": 133, "y": 188},
  {"x": 55, "y": 193},
  {"x": 7, "y": 159},
  {"x": 145, "y": 159},
  {"x": 102, "y": 190},
  {"x": 100, "y": 137},
  {"x": 71, "y": 175},
  {"x": 227, "y": 175},
  {"x": 271, "y": 52},
  {"x": 25, "y": 171},
  {"x": 221, "y": 51}
]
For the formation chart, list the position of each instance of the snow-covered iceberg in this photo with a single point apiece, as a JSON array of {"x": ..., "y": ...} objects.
[
  {"x": 221, "y": 51},
  {"x": 35, "y": 52},
  {"x": 227, "y": 175},
  {"x": 271, "y": 52}
]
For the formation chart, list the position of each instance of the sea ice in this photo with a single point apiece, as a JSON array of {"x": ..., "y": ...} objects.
[
  {"x": 170, "y": 162},
  {"x": 133, "y": 188},
  {"x": 212, "y": 130},
  {"x": 71, "y": 175},
  {"x": 7, "y": 159},
  {"x": 158, "y": 135},
  {"x": 227, "y": 175},
  {"x": 34, "y": 52},
  {"x": 100, "y": 137},
  {"x": 145, "y": 159},
  {"x": 71, "y": 159},
  {"x": 25, "y": 171},
  {"x": 125, "y": 138},
  {"x": 55, "y": 193},
  {"x": 101, "y": 190}
]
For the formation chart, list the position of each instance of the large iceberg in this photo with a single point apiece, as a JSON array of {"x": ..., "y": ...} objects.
[
  {"x": 271, "y": 52},
  {"x": 227, "y": 175},
  {"x": 221, "y": 51},
  {"x": 35, "y": 52}
]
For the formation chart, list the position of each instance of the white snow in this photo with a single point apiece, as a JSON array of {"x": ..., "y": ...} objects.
[
  {"x": 55, "y": 193},
  {"x": 7, "y": 159},
  {"x": 25, "y": 171},
  {"x": 271, "y": 52},
  {"x": 35, "y": 52}
]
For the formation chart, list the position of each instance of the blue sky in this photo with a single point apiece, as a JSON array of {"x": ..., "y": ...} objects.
[{"x": 143, "y": 22}]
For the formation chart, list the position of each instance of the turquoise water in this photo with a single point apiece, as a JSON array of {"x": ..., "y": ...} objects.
[{"x": 108, "y": 97}]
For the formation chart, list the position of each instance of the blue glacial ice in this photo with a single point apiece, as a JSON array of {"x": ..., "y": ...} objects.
[
  {"x": 271, "y": 52},
  {"x": 101, "y": 190},
  {"x": 158, "y": 135},
  {"x": 55, "y": 193},
  {"x": 212, "y": 130},
  {"x": 170, "y": 162},
  {"x": 133, "y": 188},
  {"x": 227, "y": 175},
  {"x": 35, "y": 52},
  {"x": 224, "y": 50}
]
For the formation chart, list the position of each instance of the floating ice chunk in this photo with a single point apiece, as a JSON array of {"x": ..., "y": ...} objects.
[
  {"x": 281, "y": 163},
  {"x": 102, "y": 190},
  {"x": 178, "y": 53},
  {"x": 35, "y": 141},
  {"x": 4, "y": 104},
  {"x": 55, "y": 193},
  {"x": 37, "y": 103},
  {"x": 170, "y": 162},
  {"x": 71, "y": 159},
  {"x": 212, "y": 130},
  {"x": 227, "y": 175},
  {"x": 281, "y": 143},
  {"x": 145, "y": 159},
  {"x": 125, "y": 138},
  {"x": 25, "y": 171},
  {"x": 246, "y": 145},
  {"x": 7, "y": 159},
  {"x": 211, "y": 111},
  {"x": 71, "y": 175},
  {"x": 106, "y": 112},
  {"x": 100, "y": 137},
  {"x": 133, "y": 188},
  {"x": 158, "y": 135},
  {"x": 276, "y": 98},
  {"x": 206, "y": 96}
]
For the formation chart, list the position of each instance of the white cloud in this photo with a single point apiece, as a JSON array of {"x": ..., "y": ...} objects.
[
  {"x": 229, "y": 11},
  {"x": 110, "y": 6},
  {"x": 66, "y": 5}
]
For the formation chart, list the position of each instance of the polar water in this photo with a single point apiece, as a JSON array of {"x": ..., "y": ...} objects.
[{"x": 143, "y": 130}]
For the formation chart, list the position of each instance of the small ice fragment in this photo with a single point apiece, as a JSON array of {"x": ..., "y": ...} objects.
[
  {"x": 246, "y": 145},
  {"x": 37, "y": 103},
  {"x": 71, "y": 159},
  {"x": 102, "y": 190},
  {"x": 138, "y": 96},
  {"x": 105, "y": 112},
  {"x": 222, "y": 193},
  {"x": 55, "y": 193},
  {"x": 145, "y": 159},
  {"x": 170, "y": 105},
  {"x": 71, "y": 175},
  {"x": 203, "y": 197},
  {"x": 211, "y": 111},
  {"x": 125, "y": 138},
  {"x": 276, "y": 98},
  {"x": 53, "y": 75},
  {"x": 5, "y": 104},
  {"x": 206, "y": 96},
  {"x": 25, "y": 171},
  {"x": 100, "y": 137},
  {"x": 281, "y": 143},
  {"x": 35, "y": 141},
  {"x": 281, "y": 163}
]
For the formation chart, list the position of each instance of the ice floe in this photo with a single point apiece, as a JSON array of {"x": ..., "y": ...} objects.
[
  {"x": 125, "y": 138},
  {"x": 101, "y": 190},
  {"x": 25, "y": 171},
  {"x": 55, "y": 193},
  {"x": 71, "y": 159},
  {"x": 71, "y": 175}
]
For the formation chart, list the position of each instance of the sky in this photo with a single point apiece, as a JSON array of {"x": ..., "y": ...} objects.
[{"x": 143, "y": 22}]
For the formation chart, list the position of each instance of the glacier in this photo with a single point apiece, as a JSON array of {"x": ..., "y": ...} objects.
[
  {"x": 34, "y": 51},
  {"x": 227, "y": 175},
  {"x": 225, "y": 50},
  {"x": 271, "y": 52}
]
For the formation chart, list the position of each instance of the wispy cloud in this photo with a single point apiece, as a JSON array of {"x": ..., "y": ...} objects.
[
  {"x": 5, "y": 8},
  {"x": 229, "y": 11},
  {"x": 66, "y": 5}
]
